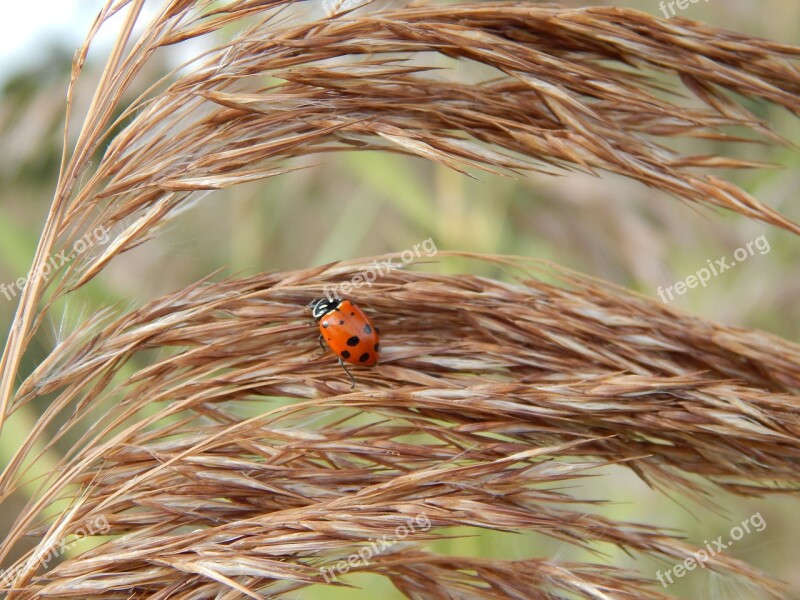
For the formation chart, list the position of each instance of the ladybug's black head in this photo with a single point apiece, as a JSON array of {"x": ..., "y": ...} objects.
[{"x": 321, "y": 307}]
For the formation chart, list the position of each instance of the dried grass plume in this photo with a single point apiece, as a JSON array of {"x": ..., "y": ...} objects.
[{"x": 490, "y": 394}]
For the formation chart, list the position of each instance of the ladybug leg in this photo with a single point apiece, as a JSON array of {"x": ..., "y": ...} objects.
[
  {"x": 352, "y": 379},
  {"x": 319, "y": 339}
]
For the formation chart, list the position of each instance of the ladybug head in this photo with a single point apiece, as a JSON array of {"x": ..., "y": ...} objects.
[{"x": 321, "y": 307}]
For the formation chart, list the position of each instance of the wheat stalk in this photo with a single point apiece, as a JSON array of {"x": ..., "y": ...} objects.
[{"x": 508, "y": 388}]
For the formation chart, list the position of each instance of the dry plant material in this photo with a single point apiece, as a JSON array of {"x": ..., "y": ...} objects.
[{"x": 489, "y": 395}]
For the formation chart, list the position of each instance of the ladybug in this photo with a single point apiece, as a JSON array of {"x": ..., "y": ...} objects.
[{"x": 348, "y": 332}]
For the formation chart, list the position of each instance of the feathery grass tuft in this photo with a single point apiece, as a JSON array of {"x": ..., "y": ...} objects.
[{"x": 506, "y": 390}]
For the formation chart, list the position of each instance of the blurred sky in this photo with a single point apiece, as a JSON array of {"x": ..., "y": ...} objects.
[
  {"x": 29, "y": 32},
  {"x": 27, "y": 29}
]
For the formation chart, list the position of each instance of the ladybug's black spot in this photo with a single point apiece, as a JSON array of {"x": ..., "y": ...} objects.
[
  {"x": 367, "y": 329},
  {"x": 352, "y": 314},
  {"x": 345, "y": 354},
  {"x": 377, "y": 347},
  {"x": 364, "y": 357},
  {"x": 325, "y": 324},
  {"x": 353, "y": 341},
  {"x": 341, "y": 322}
]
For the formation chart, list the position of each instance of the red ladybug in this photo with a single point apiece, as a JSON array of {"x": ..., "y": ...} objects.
[{"x": 348, "y": 332}]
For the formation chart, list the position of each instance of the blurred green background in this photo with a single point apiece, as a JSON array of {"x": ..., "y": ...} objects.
[{"x": 359, "y": 204}]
